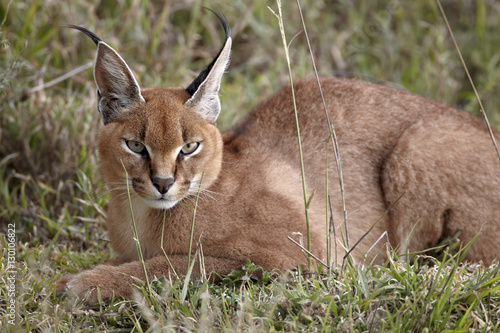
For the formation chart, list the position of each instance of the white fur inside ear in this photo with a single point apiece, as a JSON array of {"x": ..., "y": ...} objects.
[
  {"x": 206, "y": 99},
  {"x": 114, "y": 78}
]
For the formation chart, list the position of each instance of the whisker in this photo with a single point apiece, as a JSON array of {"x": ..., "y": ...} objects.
[
  {"x": 202, "y": 195},
  {"x": 195, "y": 185},
  {"x": 107, "y": 191},
  {"x": 204, "y": 190}
]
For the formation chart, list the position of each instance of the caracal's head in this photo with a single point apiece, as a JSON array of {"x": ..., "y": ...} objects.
[{"x": 161, "y": 142}]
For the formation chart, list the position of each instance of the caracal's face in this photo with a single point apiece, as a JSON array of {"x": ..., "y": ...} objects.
[
  {"x": 160, "y": 145},
  {"x": 162, "y": 151}
]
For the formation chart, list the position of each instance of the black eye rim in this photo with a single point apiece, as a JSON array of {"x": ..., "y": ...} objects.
[
  {"x": 143, "y": 152},
  {"x": 198, "y": 143}
]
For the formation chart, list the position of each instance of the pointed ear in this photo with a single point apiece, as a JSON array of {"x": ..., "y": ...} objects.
[
  {"x": 117, "y": 89},
  {"x": 205, "y": 88}
]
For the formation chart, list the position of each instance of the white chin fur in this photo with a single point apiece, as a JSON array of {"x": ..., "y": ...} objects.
[{"x": 161, "y": 204}]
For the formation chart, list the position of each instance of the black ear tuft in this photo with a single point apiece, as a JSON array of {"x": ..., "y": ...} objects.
[
  {"x": 89, "y": 33},
  {"x": 117, "y": 89},
  {"x": 193, "y": 87}
]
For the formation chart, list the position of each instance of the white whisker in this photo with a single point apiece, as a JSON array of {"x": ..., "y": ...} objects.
[{"x": 202, "y": 194}]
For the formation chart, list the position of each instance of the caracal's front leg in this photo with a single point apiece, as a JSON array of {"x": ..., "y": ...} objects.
[{"x": 113, "y": 281}]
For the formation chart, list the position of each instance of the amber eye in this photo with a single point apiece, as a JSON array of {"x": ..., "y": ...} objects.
[
  {"x": 136, "y": 147},
  {"x": 190, "y": 148}
]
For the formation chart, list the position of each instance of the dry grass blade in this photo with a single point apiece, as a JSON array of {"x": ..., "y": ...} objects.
[
  {"x": 308, "y": 252},
  {"x": 61, "y": 78},
  {"x": 371, "y": 228},
  {"x": 387, "y": 243}
]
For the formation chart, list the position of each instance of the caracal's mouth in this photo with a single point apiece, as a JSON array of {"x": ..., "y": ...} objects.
[{"x": 154, "y": 199}]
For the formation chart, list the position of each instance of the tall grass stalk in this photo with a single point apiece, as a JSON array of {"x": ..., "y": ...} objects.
[
  {"x": 304, "y": 189},
  {"x": 136, "y": 236},
  {"x": 192, "y": 221},
  {"x": 327, "y": 207},
  {"x": 331, "y": 130},
  {"x": 481, "y": 107},
  {"x": 330, "y": 225},
  {"x": 161, "y": 243},
  {"x": 187, "y": 278}
]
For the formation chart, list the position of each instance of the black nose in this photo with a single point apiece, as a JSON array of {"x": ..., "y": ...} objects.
[{"x": 163, "y": 184}]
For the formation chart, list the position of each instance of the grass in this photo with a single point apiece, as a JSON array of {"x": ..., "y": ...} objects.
[{"x": 51, "y": 190}]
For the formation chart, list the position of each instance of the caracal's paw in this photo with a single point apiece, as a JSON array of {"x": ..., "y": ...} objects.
[{"x": 103, "y": 280}]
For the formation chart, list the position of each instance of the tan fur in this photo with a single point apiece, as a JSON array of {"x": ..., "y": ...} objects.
[{"x": 390, "y": 141}]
